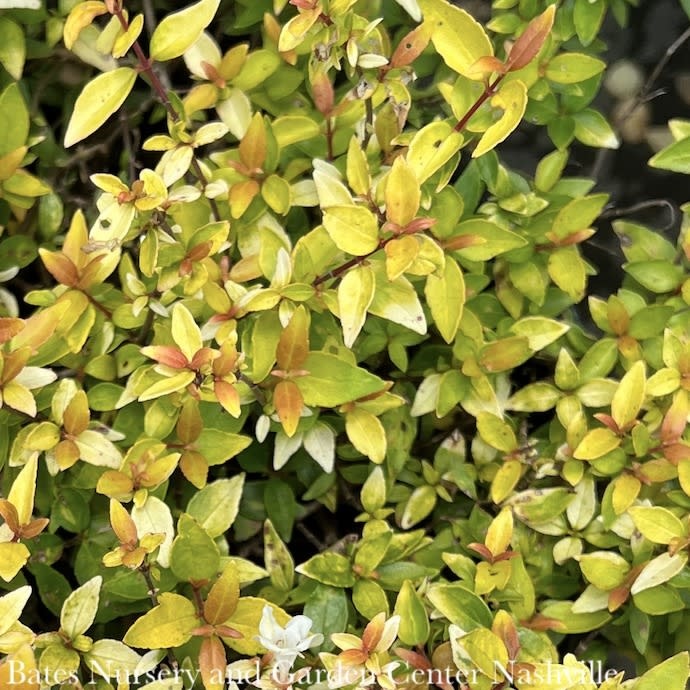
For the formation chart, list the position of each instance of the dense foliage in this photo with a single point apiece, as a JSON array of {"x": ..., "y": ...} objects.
[{"x": 271, "y": 297}]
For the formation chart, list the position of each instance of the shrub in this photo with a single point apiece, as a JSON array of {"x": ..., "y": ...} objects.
[{"x": 309, "y": 292}]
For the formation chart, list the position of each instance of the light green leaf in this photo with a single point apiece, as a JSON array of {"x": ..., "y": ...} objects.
[
  {"x": 185, "y": 332},
  {"x": 194, "y": 554},
  {"x": 355, "y": 294},
  {"x": 629, "y": 396},
  {"x": 397, "y": 301},
  {"x": 592, "y": 129},
  {"x": 460, "y": 606},
  {"x": 327, "y": 608},
  {"x": 657, "y": 524},
  {"x": 112, "y": 659},
  {"x": 606, "y": 570},
  {"x": 512, "y": 100},
  {"x": 14, "y": 120},
  {"x": 99, "y": 99},
  {"x": 570, "y": 68},
  {"x": 659, "y": 570},
  {"x": 675, "y": 157},
  {"x": 578, "y": 214},
  {"x": 79, "y": 609},
  {"x": 431, "y": 148},
  {"x": 154, "y": 517},
  {"x": 12, "y": 47},
  {"x": 329, "y": 568},
  {"x": 497, "y": 433},
  {"x": 181, "y": 30},
  {"x": 445, "y": 295},
  {"x": 671, "y": 674},
  {"x": 489, "y": 240},
  {"x": 353, "y": 229},
  {"x": 11, "y": 607},
  {"x": 459, "y": 39},
  {"x": 539, "y": 331},
  {"x": 333, "y": 381},
  {"x": 170, "y": 624},
  {"x": 215, "y": 507},
  {"x": 414, "y": 620}
]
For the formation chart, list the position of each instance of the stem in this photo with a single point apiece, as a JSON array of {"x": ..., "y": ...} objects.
[
  {"x": 489, "y": 91},
  {"x": 146, "y": 67}
]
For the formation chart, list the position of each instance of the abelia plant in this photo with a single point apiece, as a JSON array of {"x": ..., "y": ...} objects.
[{"x": 296, "y": 388}]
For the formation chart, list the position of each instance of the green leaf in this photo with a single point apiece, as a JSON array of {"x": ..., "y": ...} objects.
[
  {"x": 570, "y": 68},
  {"x": 79, "y": 609},
  {"x": 604, "y": 569},
  {"x": 674, "y": 157},
  {"x": 459, "y": 39},
  {"x": 512, "y": 100},
  {"x": 327, "y": 608},
  {"x": 671, "y": 674},
  {"x": 12, "y": 47},
  {"x": 217, "y": 446},
  {"x": 14, "y": 120},
  {"x": 539, "y": 331},
  {"x": 657, "y": 276},
  {"x": 328, "y": 568},
  {"x": 194, "y": 555},
  {"x": 181, "y": 30},
  {"x": 460, "y": 606},
  {"x": 535, "y": 397},
  {"x": 366, "y": 433},
  {"x": 629, "y": 396},
  {"x": 567, "y": 270},
  {"x": 353, "y": 229},
  {"x": 488, "y": 240},
  {"x": 659, "y": 570},
  {"x": 578, "y": 214},
  {"x": 215, "y": 507},
  {"x": 445, "y": 295},
  {"x": 333, "y": 381},
  {"x": 414, "y": 621},
  {"x": 588, "y": 16},
  {"x": 278, "y": 560},
  {"x": 11, "y": 607},
  {"x": 592, "y": 129},
  {"x": 369, "y": 598},
  {"x": 167, "y": 625},
  {"x": 497, "y": 433},
  {"x": 397, "y": 301},
  {"x": 98, "y": 100},
  {"x": 657, "y": 524},
  {"x": 575, "y": 623},
  {"x": 419, "y": 505},
  {"x": 355, "y": 294},
  {"x": 373, "y": 493}
]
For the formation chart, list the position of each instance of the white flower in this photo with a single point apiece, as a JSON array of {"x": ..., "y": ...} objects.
[{"x": 286, "y": 643}]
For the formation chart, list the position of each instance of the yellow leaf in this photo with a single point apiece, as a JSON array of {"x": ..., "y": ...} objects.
[
  {"x": 222, "y": 598},
  {"x": 185, "y": 332},
  {"x": 293, "y": 345},
  {"x": 367, "y": 434},
  {"x": 512, "y": 99},
  {"x": 629, "y": 396},
  {"x": 81, "y": 16},
  {"x": 353, "y": 229},
  {"x": 357, "y": 170},
  {"x": 500, "y": 532},
  {"x": 11, "y": 607},
  {"x": 294, "y": 31},
  {"x": 19, "y": 398},
  {"x": 459, "y": 39},
  {"x": 253, "y": 144},
  {"x": 432, "y": 147},
  {"x": 505, "y": 480},
  {"x": 170, "y": 624},
  {"x": 25, "y": 660},
  {"x": 167, "y": 385},
  {"x": 626, "y": 488},
  {"x": 445, "y": 295},
  {"x": 23, "y": 490},
  {"x": 13, "y": 556},
  {"x": 181, "y": 30},
  {"x": 288, "y": 402},
  {"x": 124, "y": 42},
  {"x": 99, "y": 99},
  {"x": 246, "y": 620},
  {"x": 122, "y": 523},
  {"x": 355, "y": 294},
  {"x": 403, "y": 193},
  {"x": 400, "y": 255},
  {"x": 596, "y": 443}
]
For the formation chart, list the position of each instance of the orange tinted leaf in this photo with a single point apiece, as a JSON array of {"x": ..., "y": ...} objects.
[
  {"x": 253, "y": 145},
  {"x": 675, "y": 420},
  {"x": 116, "y": 485},
  {"x": 527, "y": 47},
  {"x": 241, "y": 195},
  {"x": 9, "y": 514},
  {"x": 66, "y": 454},
  {"x": 122, "y": 523},
  {"x": 228, "y": 397},
  {"x": 189, "y": 424},
  {"x": 487, "y": 65},
  {"x": 166, "y": 354},
  {"x": 322, "y": 93},
  {"x": 34, "y": 528},
  {"x": 289, "y": 402},
  {"x": 9, "y": 327},
  {"x": 40, "y": 326},
  {"x": 212, "y": 663},
  {"x": 60, "y": 267},
  {"x": 411, "y": 46},
  {"x": 194, "y": 467},
  {"x": 293, "y": 345},
  {"x": 222, "y": 598},
  {"x": 76, "y": 416}
]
